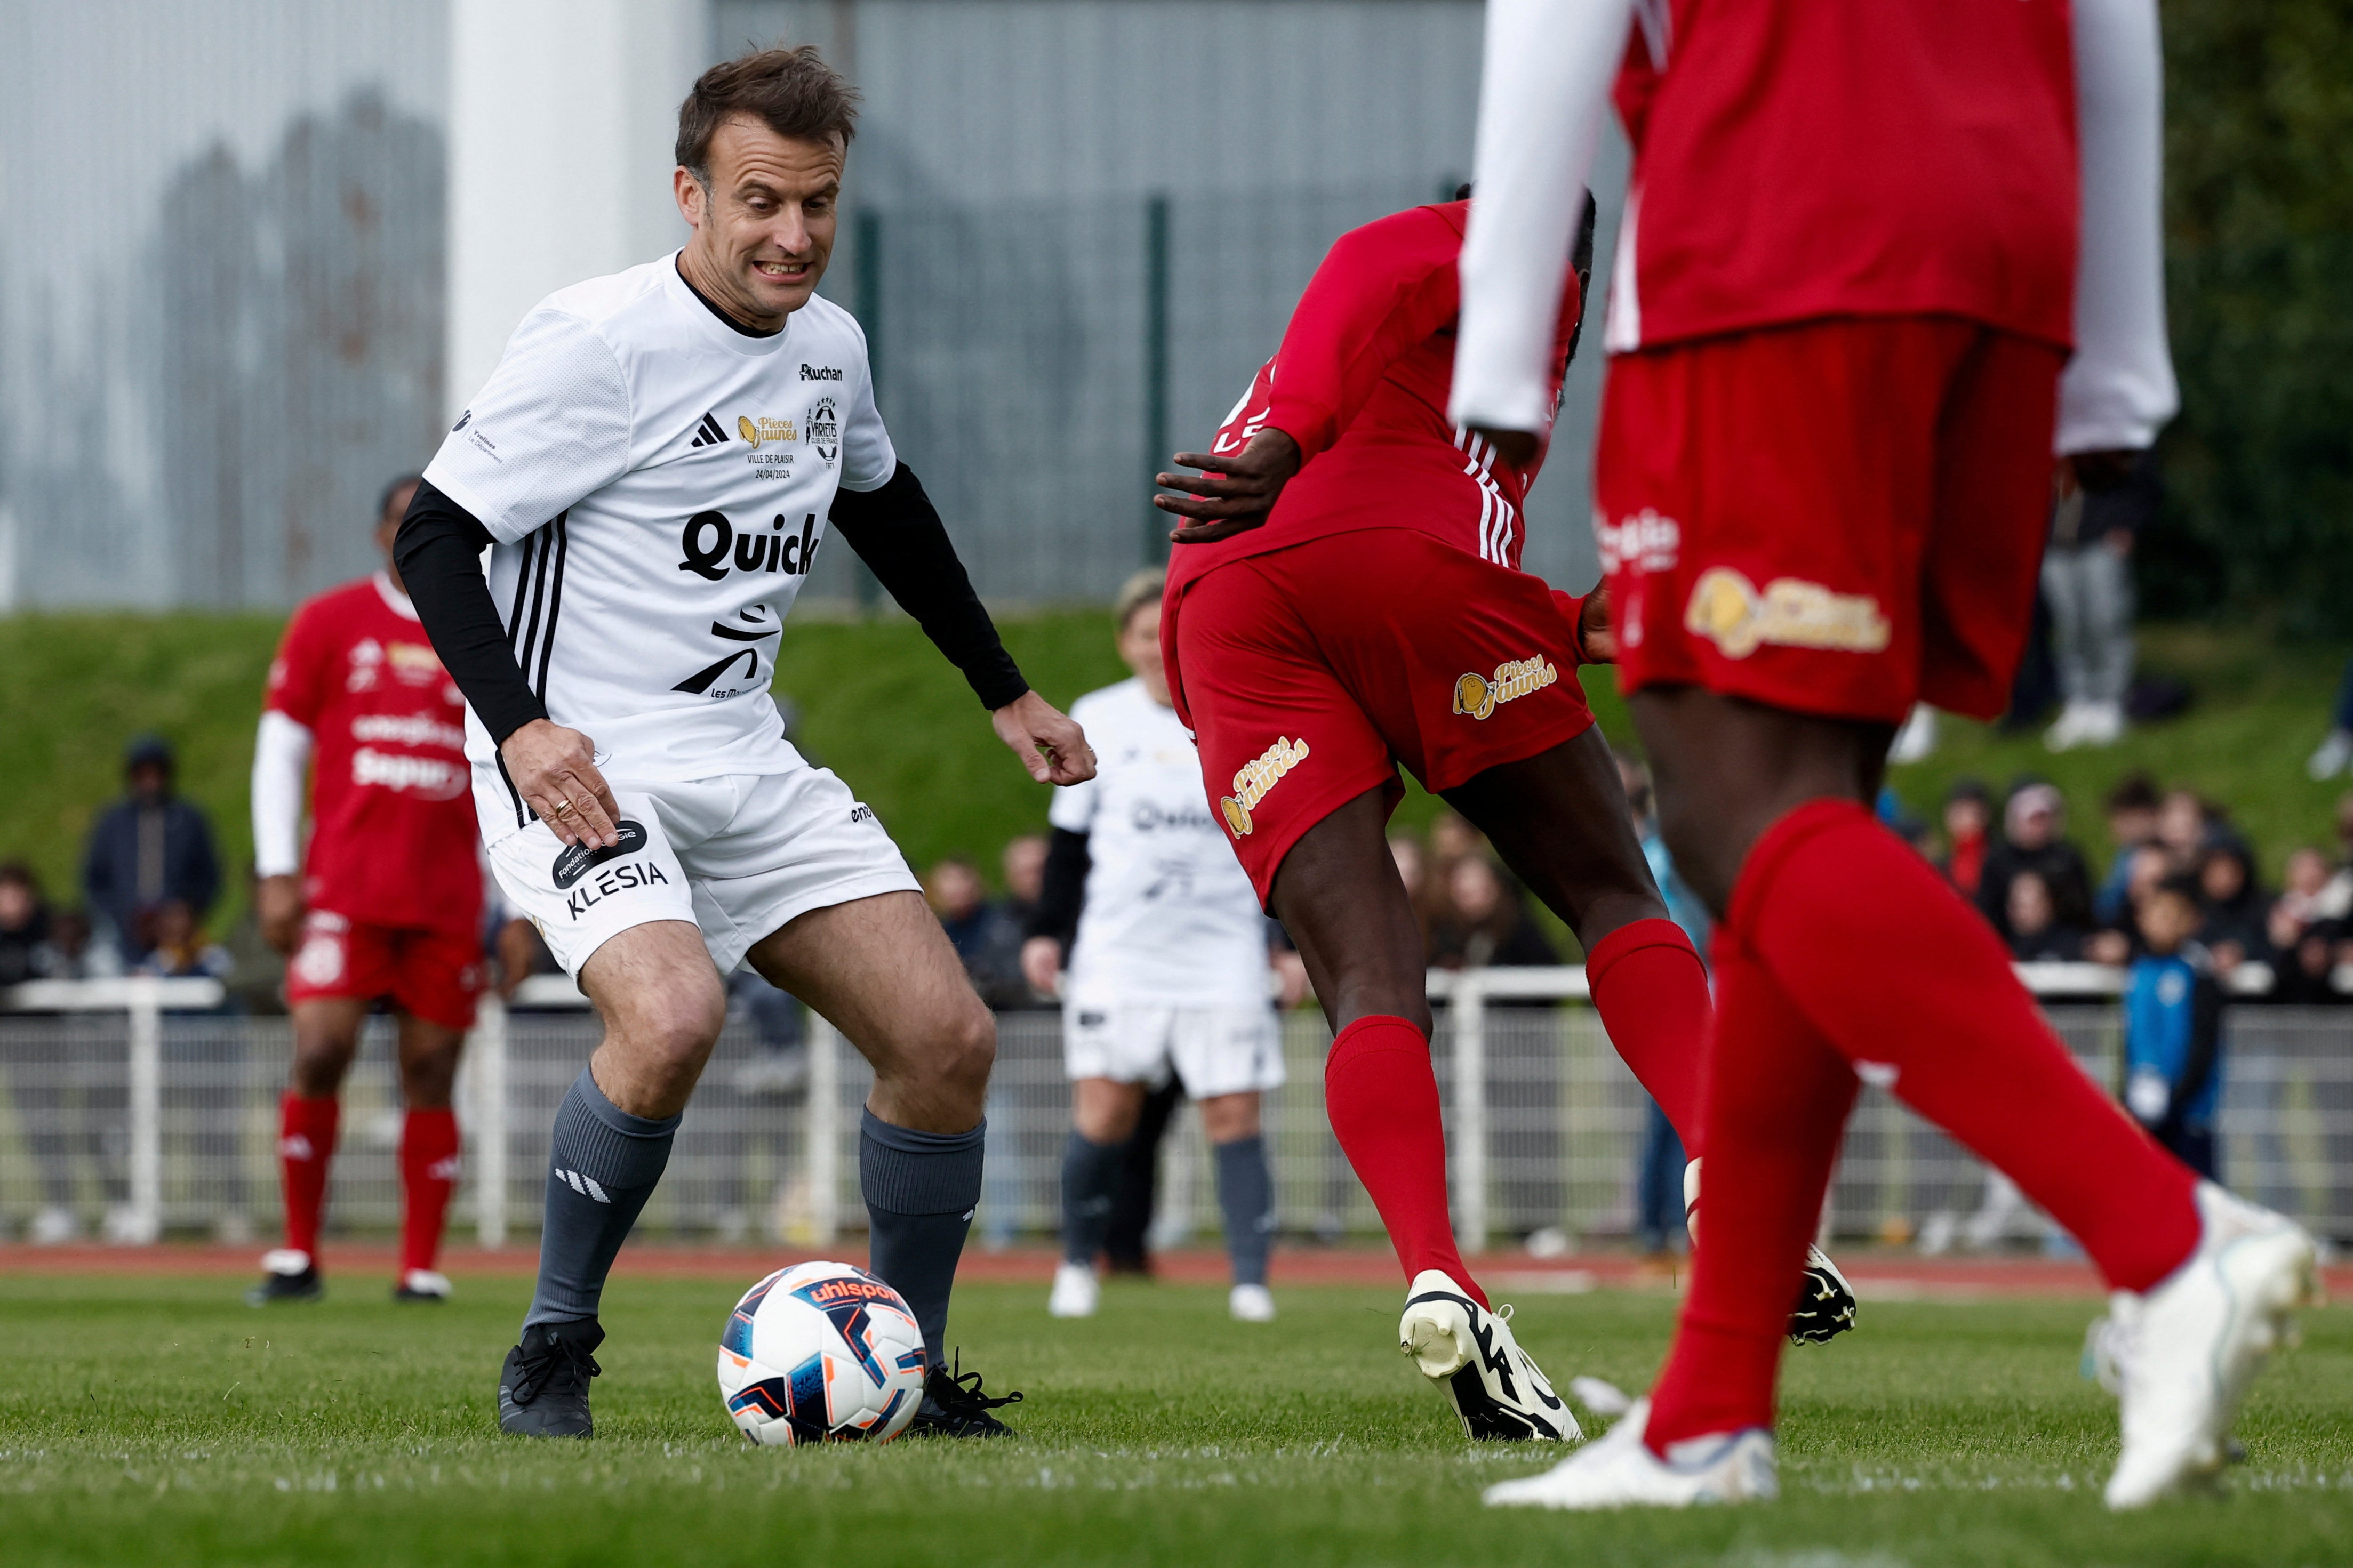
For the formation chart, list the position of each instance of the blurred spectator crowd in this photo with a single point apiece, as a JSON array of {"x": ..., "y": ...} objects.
[{"x": 2015, "y": 859}]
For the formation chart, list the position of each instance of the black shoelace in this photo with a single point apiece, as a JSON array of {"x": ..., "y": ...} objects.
[
  {"x": 538, "y": 1369},
  {"x": 958, "y": 1395}
]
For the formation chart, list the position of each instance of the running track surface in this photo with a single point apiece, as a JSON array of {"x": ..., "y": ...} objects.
[{"x": 1883, "y": 1276}]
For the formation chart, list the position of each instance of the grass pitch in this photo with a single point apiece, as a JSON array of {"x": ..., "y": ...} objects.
[{"x": 157, "y": 1421}]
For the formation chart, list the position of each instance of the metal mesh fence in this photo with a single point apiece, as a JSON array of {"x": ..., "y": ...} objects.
[{"x": 1557, "y": 1134}]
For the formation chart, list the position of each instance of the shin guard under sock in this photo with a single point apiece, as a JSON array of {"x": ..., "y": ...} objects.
[
  {"x": 1777, "y": 1098},
  {"x": 1651, "y": 989},
  {"x": 921, "y": 1189},
  {"x": 1246, "y": 1194},
  {"x": 1912, "y": 986},
  {"x": 1090, "y": 1186},
  {"x": 602, "y": 1165},
  {"x": 1382, "y": 1096},
  {"x": 429, "y": 1174},
  {"x": 306, "y": 1146}
]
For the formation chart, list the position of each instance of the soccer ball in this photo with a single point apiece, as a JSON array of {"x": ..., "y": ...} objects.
[{"x": 822, "y": 1353}]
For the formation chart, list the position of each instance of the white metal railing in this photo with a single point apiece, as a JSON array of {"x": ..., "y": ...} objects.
[{"x": 1540, "y": 1114}]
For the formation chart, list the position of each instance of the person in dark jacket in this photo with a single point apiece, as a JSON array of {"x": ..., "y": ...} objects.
[
  {"x": 2235, "y": 912},
  {"x": 2034, "y": 839},
  {"x": 149, "y": 848},
  {"x": 2173, "y": 1029},
  {"x": 2035, "y": 934}
]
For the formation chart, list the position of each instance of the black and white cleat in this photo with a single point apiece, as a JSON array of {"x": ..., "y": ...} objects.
[
  {"x": 288, "y": 1276},
  {"x": 1470, "y": 1353}
]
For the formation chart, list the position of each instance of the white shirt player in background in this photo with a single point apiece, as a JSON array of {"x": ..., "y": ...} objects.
[
  {"x": 1169, "y": 970},
  {"x": 656, "y": 461}
]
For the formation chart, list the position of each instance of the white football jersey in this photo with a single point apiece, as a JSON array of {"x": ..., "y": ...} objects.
[
  {"x": 658, "y": 485},
  {"x": 1170, "y": 915}
]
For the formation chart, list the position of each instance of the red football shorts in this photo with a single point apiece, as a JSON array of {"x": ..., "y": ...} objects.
[
  {"x": 1838, "y": 517},
  {"x": 435, "y": 974},
  {"x": 1307, "y": 675}
]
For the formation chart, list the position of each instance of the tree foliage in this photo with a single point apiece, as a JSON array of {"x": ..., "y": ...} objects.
[{"x": 2259, "y": 149}]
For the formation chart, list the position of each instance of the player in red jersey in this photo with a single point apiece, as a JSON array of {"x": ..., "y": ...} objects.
[
  {"x": 385, "y": 905},
  {"x": 1349, "y": 598},
  {"x": 1843, "y": 297}
]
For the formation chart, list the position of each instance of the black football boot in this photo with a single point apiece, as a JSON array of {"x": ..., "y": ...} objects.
[
  {"x": 954, "y": 1407},
  {"x": 544, "y": 1387}
]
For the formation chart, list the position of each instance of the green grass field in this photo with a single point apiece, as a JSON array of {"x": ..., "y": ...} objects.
[
  {"x": 882, "y": 708},
  {"x": 156, "y": 1421}
]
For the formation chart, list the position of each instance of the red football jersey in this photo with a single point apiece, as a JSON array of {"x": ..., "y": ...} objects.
[
  {"x": 1797, "y": 158},
  {"x": 1361, "y": 384},
  {"x": 393, "y": 840}
]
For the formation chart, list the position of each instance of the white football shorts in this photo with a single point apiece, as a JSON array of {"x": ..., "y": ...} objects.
[
  {"x": 740, "y": 856},
  {"x": 1214, "y": 1050}
]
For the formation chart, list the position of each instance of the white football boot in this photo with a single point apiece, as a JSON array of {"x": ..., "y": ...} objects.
[
  {"x": 1825, "y": 1308},
  {"x": 2180, "y": 1355},
  {"x": 1618, "y": 1471},
  {"x": 1470, "y": 1353},
  {"x": 1076, "y": 1291},
  {"x": 1250, "y": 1304}
]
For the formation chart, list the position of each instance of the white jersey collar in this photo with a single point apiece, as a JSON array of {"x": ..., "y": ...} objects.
[
  {"x": 398, "y": 601},
  {"x": 713, "y": 329}
]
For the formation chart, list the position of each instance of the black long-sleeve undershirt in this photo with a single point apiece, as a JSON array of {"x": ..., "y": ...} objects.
[
  {"x": 898, "y": 533},
  {"x": 439, "y": 551},
  {"x": 1063, "y": 893}
]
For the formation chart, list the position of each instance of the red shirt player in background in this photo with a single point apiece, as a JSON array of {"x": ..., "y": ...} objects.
[
  {"x": 387, "y": 902},
  {"x": 1843, "y": 297},
  {"x": 1349, "y": 599}
]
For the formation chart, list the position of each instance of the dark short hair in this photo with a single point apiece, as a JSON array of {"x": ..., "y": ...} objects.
[
  {"x": 18, "y": 872},
  {"x": 384, "y": 497},
  {"x": 2182, "y": 886},
  {"x": 2134, "y": 791},
  {"x": 793, "y": 91}
]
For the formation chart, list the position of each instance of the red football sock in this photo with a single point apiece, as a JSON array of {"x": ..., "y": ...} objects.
[
  {"x": 306, "y": 1143},
  {"x": 1651, "y": 989},
  {"x": 429, "y": 1174},
  {"x": 1778, "y": 1096},
  {"x": 1907, "y": 982},
  {"x": 1382, "y": 1096}
]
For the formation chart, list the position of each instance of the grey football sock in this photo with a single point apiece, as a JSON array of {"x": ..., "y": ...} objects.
[
  {"x": 1246, "y": 1194},
  {"x": 601, "y": 1169},
  {"x": 1090, "y": 1183},
  {"x": 921, "y": 1189}
]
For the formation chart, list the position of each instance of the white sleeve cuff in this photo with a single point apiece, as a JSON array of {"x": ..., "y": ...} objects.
[
  {"x": 281, "y": 758},
  {"x": 2118, "y": 390},
  {"x": 1544, "y": 84}
]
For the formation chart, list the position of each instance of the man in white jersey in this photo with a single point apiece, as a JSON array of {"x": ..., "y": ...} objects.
[
  {"x": 1168, "y": 968},
  {"x": 655, "y": 464}
]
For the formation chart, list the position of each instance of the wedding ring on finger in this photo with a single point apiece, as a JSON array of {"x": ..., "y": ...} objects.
[{"x": 565, "y": 809}]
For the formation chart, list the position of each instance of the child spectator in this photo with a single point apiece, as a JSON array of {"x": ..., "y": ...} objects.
[
  {"x": 2173, "y": 1029},
  {"x": 2233, "y": 908},
  {"x": 989, "y": 945},
  {"x": 1968, "y": 819},
  {"x": 2035, "y": 934},
  {"x": 2131, "y": 810},
  {"x": 24, "y": 924}
]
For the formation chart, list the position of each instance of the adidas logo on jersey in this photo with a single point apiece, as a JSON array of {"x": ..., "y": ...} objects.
[{"x": 708, "y": 433}]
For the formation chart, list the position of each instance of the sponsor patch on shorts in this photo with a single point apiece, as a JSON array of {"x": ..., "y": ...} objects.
[
  {"x": 575, "y": 859},
  {"x": 1727, "y": 609},
  {"x": 1477, "y": 695},
  {"x": 1256, "y": 776}
]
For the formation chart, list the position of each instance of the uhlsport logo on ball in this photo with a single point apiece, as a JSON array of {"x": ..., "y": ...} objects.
[{"x": 822, "y": 1353}]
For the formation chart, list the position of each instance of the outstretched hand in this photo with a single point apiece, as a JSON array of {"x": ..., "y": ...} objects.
[
  {"x": 1235, "y": 493},
  {"x": 1049, "y": 745}
]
